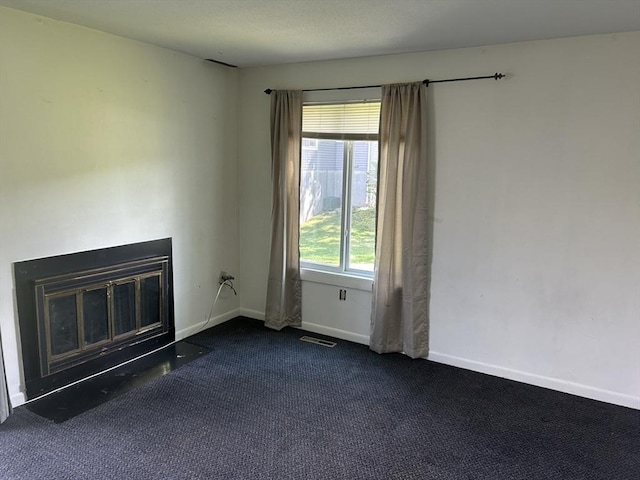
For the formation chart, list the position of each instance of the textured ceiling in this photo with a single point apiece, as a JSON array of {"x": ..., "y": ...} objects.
[{"x": 263, "y": 32}]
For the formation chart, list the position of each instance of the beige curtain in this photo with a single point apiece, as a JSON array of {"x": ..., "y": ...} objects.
[
  {"x": 5, "y": 407},
  {"x": 399, "y": 320},
  {"x": 284, "y": 289}
]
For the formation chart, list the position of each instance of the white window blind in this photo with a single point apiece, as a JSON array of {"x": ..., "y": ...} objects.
[{"x": 345, "y": 120}]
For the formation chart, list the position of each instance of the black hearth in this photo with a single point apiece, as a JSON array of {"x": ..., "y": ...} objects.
[{"x": 84, "y": 312}]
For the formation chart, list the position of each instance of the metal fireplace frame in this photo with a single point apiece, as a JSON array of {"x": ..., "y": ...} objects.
[{"x": 40, "y": 282}]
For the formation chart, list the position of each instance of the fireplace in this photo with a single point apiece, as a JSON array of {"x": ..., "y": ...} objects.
[{"x": 85, "y": 312}]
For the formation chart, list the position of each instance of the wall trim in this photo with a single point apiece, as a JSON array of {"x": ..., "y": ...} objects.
[
  {"x": 481, "y": 367},
  {"x": 255, "y": 314},
  {"x": 336, "y": 332},
  {"x": 315, "y": 328},
  {"x": 213, "y": 321},
  {"x": 564, "y": 386},
  {"x": 17, "y": 399},
  {"x": 336, "y": 279}
]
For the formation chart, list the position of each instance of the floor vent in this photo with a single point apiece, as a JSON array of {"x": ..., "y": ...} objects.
[{"x": 318, "y": 341}]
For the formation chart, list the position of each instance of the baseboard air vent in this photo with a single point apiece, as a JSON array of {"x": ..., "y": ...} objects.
[{"x": 318, "y": 341}]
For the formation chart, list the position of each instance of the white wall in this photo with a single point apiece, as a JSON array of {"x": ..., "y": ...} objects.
[
  {"x": 536, "y": 272},
  {"x": 536, "y": 269},
  {"x": 106, "y": 141}
]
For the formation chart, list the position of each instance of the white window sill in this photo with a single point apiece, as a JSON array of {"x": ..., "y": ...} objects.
[{"x": 337, "y": 279}]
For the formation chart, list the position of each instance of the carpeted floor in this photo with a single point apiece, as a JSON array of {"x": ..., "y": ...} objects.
[{"x": 264, "y": 405}]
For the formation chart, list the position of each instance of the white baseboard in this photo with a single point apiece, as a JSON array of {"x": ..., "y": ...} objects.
[
  {"x": 495, "y": 370},
  {"x": 255, "y": 314},
  {"x": 315, "y": 328},
  {"x": 17, "y": 399},
  {"x": 539, "y": 380},
  {"x": 336, "y": 333},
  {"x": 212, "y": 322}
]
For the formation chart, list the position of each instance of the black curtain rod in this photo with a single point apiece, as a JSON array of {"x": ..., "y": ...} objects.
[{"x": 495, "y": 76}]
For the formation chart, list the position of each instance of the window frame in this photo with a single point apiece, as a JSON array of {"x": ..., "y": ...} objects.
[{"x": 328, "y": 274}]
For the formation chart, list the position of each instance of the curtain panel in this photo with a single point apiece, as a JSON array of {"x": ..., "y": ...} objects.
[
  {"x": 284, "y": 288},
  {"x": 399, "y": 319},
  {"x": 5, "y": 406}
]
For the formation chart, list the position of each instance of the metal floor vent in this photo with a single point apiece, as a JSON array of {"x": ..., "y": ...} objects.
[{"x": 319, "y": 341}]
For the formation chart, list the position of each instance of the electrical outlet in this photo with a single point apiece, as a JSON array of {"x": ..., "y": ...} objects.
[
  {"x": 343, "y": 294},
  {"x": 224, "y": 276}
]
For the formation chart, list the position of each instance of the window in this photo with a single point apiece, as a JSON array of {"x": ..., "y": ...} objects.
[
  {"x": 338, "y": 185},
  {"x": 310, "y": 144}
]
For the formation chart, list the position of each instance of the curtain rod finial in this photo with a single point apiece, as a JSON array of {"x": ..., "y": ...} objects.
[
  {"x": 268, "y": 91},
  {"x": 498, "y": 76}
]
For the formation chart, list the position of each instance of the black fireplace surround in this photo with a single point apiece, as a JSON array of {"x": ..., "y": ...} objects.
[{"x": 84, "y": 312}]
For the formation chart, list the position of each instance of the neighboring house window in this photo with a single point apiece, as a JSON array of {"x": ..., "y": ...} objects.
[
  {"x": 310, "y": 144},
  {"x": 338, "y": 185}
]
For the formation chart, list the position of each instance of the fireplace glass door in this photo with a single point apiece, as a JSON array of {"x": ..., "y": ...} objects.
[{"x": 83, "y": 315}]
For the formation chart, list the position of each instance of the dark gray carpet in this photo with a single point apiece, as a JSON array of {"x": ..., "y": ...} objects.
[{"x": 263, "y": 405}]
